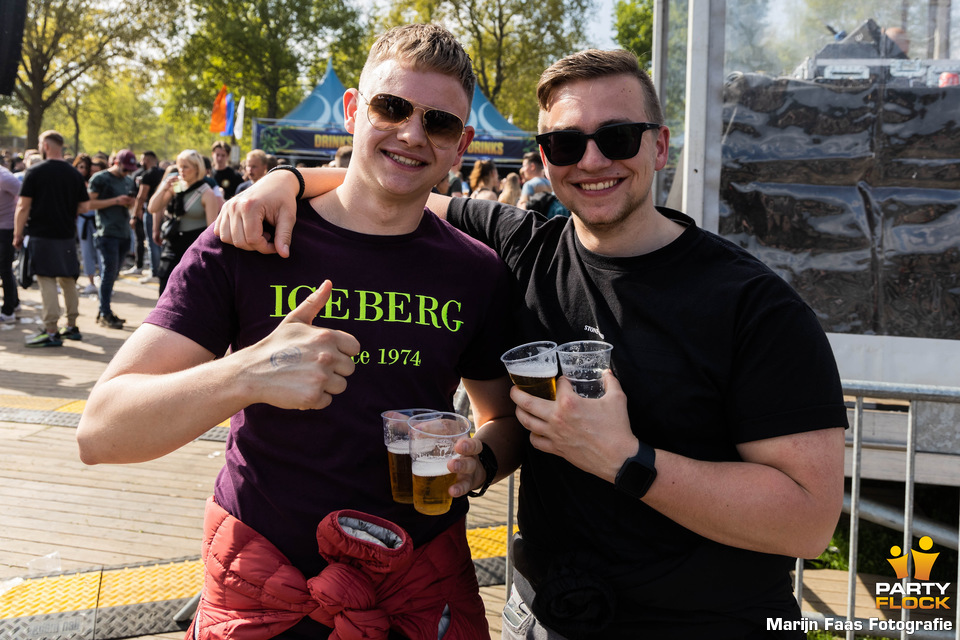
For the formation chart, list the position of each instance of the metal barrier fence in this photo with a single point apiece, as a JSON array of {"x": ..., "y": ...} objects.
[{"x": 915, "y": 395}]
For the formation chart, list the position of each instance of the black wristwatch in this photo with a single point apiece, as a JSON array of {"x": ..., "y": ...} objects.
[
  {"x": 638, "y": 473},
  {"x": 489, "y": 463}
]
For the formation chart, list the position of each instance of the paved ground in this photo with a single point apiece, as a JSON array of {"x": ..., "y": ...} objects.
[
  {"x": 69, "y": 371},
  {"x": 47, "y": 379}
]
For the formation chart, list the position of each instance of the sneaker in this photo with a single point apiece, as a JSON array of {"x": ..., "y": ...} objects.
[
  {"x": 8, "y": 319},
  {"x": 151, "y": 279},
  {"x": 132, "y": 271},
  {"x": 45, "y": 340},
  {"x": 69, "y": 333},
  {"x": 110, "y": 320},
  {"x": 89, "y": 290}
]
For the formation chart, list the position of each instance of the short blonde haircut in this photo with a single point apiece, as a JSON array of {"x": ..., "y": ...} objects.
[
  {"x": 195, "y": 159},
  {"x": 424, "y": 47},
  {"x": 261, "y": 156}
]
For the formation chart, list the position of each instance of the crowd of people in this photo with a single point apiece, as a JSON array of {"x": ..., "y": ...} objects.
[
  {"x": 718, "y": 444},
  {"x": 134, "y": 222},
  {"x": 78, "y": 221}
]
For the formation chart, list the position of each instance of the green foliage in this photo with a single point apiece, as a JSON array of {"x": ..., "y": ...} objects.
[
  {"x": 633, "y": 23},
  {"x": 65, "y": 40},
  {"x": 747, "y": 38},
  {"x": 510, "y": 42},
  {"x": 271, "y": 52}
]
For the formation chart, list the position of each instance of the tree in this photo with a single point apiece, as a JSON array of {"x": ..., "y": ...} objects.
[
  {"x": 261, "y": 49},
  {"x": 510, "y": 42},
  {"x": 65, "y": 39},
  {"x": 747, "y": 38},
  {"x": 633, "y": 24}
]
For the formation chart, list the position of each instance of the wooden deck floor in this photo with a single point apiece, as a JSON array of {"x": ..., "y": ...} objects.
[{"x": 114, "y": 515}]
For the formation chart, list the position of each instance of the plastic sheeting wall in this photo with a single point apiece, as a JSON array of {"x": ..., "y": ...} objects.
[{"x": 850, "y": 190}]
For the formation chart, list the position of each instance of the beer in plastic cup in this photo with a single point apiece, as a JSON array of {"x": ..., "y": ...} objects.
[
  {"x": 432, "y": 436},
  {"x": 396, "y": 436},
  {"x": 583, "y": 363},
  {"x": 533, "y": 368}
]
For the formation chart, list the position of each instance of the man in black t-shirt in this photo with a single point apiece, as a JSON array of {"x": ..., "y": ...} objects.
[
  {"x": 147, "y": 178},
  {"x": 52, "y": 195},
  {"x": 226, "y": 177},
  {"x": 672, "y": 506}
]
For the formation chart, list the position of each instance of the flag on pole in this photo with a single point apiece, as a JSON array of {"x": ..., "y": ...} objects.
[
  {"x": 218, "y": 119},
  {"x": 238, "y": 124},
  {"x": 228, "y": 124}
]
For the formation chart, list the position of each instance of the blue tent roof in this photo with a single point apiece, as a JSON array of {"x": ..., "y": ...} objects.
[
  {"x": 323, "y": 109},
  {"x": 485, "y": 118}
]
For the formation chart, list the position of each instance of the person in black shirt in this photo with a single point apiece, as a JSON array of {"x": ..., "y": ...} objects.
[
  {"x": 147, "y": 178},
  {"x": 673, "y": 506},
  {"x": 226, "y": 177},
  {"x": 52, "y": 195}
]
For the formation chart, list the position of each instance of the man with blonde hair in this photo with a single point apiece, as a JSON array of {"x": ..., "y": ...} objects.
[
  {"x": 307, "y": 371},
  {"x": 256, "y": 166},
  {"x": 715, "y": 456}
]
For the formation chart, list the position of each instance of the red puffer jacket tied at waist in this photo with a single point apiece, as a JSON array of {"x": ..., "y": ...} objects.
[{"x": 375, "y": 581}]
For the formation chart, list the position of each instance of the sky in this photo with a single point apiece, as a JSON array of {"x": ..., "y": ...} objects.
[{"x": 601, "y": 27}]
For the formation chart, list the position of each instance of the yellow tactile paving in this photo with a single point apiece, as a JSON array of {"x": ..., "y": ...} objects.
[
  {"x": 56, "y": 594},
  {"x": 151, "y": 584},
  {"x": 33, "y": 402},
  {"x": 488, "y": 542},
  {"x": 59, "y": 405},
  {"x": 156, "y": 583},
  {"x": 74, "y": 407}
]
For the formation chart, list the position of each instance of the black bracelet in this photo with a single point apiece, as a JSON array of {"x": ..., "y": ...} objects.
[
  {"x": 292, "y": 169},
  {"x": 489, "y": 463}
]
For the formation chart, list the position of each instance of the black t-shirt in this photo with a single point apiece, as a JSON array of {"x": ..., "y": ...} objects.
[
  {"x": 151, "y": 177},
  {"x": 57, "y": 190},
  {"x": 229, "y": 180},
  {"x": 712, "y": 349}
]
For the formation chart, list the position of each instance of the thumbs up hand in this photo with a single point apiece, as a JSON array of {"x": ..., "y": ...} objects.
[{"x": 300, "y": 366}]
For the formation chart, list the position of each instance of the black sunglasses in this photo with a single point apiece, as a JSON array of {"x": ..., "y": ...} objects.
[
  {"x": 386, "y": 112},
  {"x": 615, "y": 141}
]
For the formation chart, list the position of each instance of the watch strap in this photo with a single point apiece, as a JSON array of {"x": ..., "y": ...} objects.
[
  {"x": 645, "y": 459},
  {"x": 488, "y": 460}
]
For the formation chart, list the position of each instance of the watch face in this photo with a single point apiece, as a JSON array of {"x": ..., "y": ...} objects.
[{"x": 635, "y": 478}]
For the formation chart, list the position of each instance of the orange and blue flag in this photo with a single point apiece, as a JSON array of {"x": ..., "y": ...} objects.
[{"x": 218, "y": 120}]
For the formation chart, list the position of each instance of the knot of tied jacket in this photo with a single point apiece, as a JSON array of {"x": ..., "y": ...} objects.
[
  {"x": 375, "y": 581},
  {"x": 362, "y": 551}
]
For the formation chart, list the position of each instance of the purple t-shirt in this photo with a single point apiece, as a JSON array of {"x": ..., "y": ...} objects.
[{"x": 427, "y": 309}]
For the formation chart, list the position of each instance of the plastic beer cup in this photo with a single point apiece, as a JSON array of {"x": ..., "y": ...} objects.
[
  {"x": 533, "y": 368},
  {"x": 432, "y": 436},
  {"x": 583, "y": 363},
  {"x": 396, "y": 436}
]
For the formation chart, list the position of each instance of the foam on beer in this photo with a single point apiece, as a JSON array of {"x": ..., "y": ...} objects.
[
  {"x": 399, "y": 447},
  {"x": 533, "y": 369},
  {"x": 429, "y": 467}
]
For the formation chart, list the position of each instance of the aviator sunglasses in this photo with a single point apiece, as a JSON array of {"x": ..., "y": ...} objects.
[
  {"x": 386, "y": 112},
  {"x": 615, "y": 141}
]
